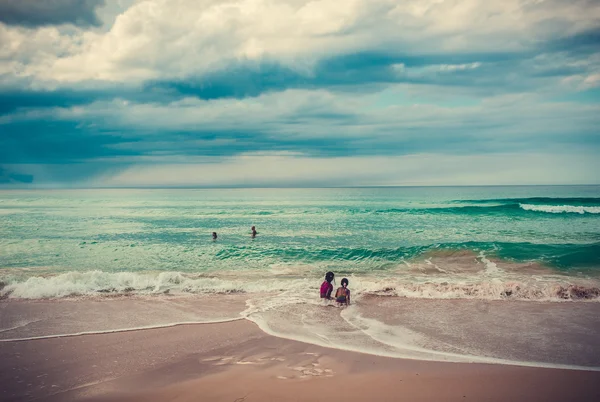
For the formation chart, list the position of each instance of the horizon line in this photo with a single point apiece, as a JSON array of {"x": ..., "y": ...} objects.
[{"x": 232, "y": 187}]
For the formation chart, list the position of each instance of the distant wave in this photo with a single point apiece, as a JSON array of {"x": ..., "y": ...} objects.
[
  {"x": 486, "y": 207},
  {"x": 466, "y": 209},
  {"x": 585, "y": 201},
  {"x": 579, "y": 205},
  {"x": 558, "y": 209}
]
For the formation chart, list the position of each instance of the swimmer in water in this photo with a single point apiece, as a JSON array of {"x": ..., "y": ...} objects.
[
  {"x": 214, "y": 235},
  {"x": 342, "y": 295},
  {"x": 254, "y": 232}
]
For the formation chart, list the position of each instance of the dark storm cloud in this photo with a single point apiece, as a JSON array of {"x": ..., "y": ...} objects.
[
  {"x": 347, "y": 72},
  {"x": 51, "y": 141},
  {"x": 59, "y": 142},
  {"x": 14, "y": 99},
  {"x": 494, "y": 73},
  {"x": 587, "y": 42},
  {"x": 10, "y": 177},
  {"x": 33, "y": 13}
]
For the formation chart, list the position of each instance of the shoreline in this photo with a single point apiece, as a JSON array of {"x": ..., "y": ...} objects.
[
  {"x": 116, "y": 331},
  {"x": 509, "y": 333},
  {"x": 482, "y": 360},
  {"x": 226, "y": 361}
]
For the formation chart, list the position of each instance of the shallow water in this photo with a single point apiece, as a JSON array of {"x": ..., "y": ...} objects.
[
  {"x": 541, "y": 334},
  {"x": 149, "y": 240}
]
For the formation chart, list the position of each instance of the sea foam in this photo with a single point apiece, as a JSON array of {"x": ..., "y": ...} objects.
[
  {"x": 463, "y": 286},
  {"x": 99, "y": 283},
  {"x": 558, "y": 209},
  {"x": 364, "y": 327}
]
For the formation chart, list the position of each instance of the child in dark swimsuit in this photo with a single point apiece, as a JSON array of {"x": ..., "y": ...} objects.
[
  {"x": 342, "y": 295},
  {"x": 326, "y": 286}
]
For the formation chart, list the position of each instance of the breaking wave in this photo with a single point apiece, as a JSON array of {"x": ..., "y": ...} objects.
[
  {"x": 588, "y": 201},
  {"x": 559, "y": 209},
  {"x": 107, "y": 283},
  {"x": 508, "y": 207},
  {"x": 476, "y": 286}
]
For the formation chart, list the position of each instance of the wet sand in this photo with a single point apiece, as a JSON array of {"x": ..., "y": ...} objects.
[{"x": 236, "y": 361}]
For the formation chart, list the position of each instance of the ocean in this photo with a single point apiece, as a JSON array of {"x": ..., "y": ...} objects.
[{"x": 414, "y": 257}]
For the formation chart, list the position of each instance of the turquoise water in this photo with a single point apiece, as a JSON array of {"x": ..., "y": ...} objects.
[
  {"x": 510, "y": 274},
  {"x": 302, "y": 232}
]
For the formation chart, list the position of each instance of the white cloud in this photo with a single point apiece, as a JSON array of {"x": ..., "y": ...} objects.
[
  {"x": 23, "y": 51},
  {"x": 592, "y": 81},
  {"x": 177, "y": 38},
  {"x": 458, "y": 67}
]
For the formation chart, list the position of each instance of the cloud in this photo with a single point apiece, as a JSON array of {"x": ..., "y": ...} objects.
[
  {"x": 592, "y": 81},
  {"x": 34, "y": 13},
  {"x": 47, "y": 141},
  {"x": 166, "y": 40},
  {"x": 474, "y": 74},
  {"x": 49, "y": 175},
  {"x": 313, "y": 123},
  {"x": 286, "y": 169},
  {"x": 15, "y": 99},
  {"x": 211, "y": 49},
  {"x": 181, "y": 82},
  {"x": 10, "y": 177},
  {"x": 419, "y": 169}
]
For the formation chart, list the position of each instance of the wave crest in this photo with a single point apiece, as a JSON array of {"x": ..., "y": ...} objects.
[
  {"x": 98, "y": 283},
  {"x": 587, "y": 201},
  {"x": 492, "y": 291},
  {"x": 558, "y": 209}
]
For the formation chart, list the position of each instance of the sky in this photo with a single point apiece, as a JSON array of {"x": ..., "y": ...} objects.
[{"x": 288, "y": 93}]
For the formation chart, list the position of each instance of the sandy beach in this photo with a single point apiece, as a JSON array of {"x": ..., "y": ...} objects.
[{"x": 236, "y": 361}]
